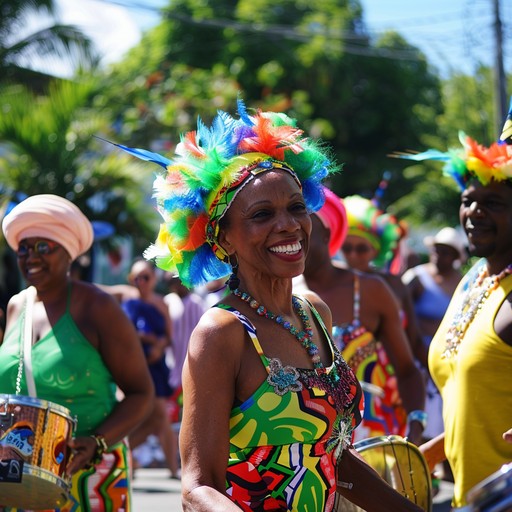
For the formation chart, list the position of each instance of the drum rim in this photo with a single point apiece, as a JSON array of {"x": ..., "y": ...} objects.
[
  {"x": 396, "y": 440},
  {"x": 46, "y": 475},
  {"x": 40, "y": 403},
  {"x": 370, "y": 441},
  {"x": 482, "y": 489}
]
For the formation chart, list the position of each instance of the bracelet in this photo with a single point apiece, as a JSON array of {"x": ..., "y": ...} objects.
[
  {"x": 101, "y": 448},
  {"x": 420, "y": 416}
]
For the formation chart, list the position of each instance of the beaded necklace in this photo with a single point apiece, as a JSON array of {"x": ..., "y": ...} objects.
[
  {"x": 304, "y": 336},
  {"x": 473, "y": 301}
]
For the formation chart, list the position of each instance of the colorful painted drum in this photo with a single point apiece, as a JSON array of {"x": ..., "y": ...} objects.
[
  {"x": 401, "y": 464},
  {"x": 34, "y": 437}
]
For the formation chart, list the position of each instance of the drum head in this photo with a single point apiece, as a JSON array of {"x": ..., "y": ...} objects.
[
  {"x": 401, "y": 464},
  {"x": 39, "y": 489}
]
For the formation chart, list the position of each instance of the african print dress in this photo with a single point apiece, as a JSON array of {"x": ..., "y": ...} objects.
[
  {"x": 286, "y": 438},
  {"x": 383, "y": 412}
]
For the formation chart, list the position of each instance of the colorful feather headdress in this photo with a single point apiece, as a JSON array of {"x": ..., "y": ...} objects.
[
  {"x": 381, "y": 229},
  {"x": 210, "y": 167},
  {"x": 474, "y": 160}
]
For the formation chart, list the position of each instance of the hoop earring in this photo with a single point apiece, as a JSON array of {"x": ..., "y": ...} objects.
[{"x": 234, "y": 281}]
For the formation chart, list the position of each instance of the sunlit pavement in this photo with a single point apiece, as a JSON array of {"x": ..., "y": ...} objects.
[{"x": 154, "y": 491}]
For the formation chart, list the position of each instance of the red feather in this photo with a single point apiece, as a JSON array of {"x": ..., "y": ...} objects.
[
  {"x": 190, "y": 145},
  {"x": 272, "y": 140},
  {"x": 196, "y": 234}
]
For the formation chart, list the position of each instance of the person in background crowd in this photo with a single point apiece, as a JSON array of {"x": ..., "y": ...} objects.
[
  {"x": 431, "y": 286},
  {"x": 364, "y": 310},
  {"x": 470, "y": 356},
  {"x": 371, "y": 243},
  {"x": 83, "y": 346},
  {"x": 185, "y": 309},
  {"x": 269, "y": 404},
  {"x": 150, "y": 316}
]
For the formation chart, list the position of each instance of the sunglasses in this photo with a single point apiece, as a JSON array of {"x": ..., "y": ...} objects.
[
  {"x": 142, "y": 277},
  {"x": 41, "y": 248},
  {"x": 358, "y": 248}
]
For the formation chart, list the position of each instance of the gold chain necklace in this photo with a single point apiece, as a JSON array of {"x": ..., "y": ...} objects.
[{"x": 473, "y": 301}]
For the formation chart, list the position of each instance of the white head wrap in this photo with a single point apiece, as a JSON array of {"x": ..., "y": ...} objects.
[{"x": 52, "y": 217}]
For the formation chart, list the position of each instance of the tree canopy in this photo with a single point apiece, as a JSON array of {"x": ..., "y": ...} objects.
[{"x": 310, "y": 59}]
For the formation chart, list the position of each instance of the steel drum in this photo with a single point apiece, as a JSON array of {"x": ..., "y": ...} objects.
[
  {"x": 34, "y": 437},
  {"x": 494, "y": 494}
]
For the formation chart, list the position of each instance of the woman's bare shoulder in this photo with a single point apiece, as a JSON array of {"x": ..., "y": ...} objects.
[
  {"x": 94, "y": 299},
  {"x": 217, "y": 327}
]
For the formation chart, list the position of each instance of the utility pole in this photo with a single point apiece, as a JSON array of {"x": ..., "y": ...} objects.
[{"x": 500, "y": 85}]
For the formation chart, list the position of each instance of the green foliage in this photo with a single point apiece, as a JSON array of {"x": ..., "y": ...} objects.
[
  {"x": 49, "y": 148},
  {"x": 468, "y": 102},
  {"x": 312, "y": 60},
  {"x": 467, "y": 106}
]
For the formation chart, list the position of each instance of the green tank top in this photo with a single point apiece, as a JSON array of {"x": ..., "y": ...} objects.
[{"x": 67, "y": 370}]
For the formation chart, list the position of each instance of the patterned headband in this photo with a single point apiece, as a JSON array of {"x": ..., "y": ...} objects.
[{"x": 256, "y": 164}]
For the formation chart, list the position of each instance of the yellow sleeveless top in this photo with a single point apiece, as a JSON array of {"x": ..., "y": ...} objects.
[{"x": 476, "y": 387}]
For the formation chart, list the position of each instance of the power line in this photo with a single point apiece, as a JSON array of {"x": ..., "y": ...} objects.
[{"x": 360, "y": 43}]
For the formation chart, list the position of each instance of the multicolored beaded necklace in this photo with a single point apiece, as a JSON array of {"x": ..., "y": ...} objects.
[
  {"x": 477, "y": 294},
  {"x": 304, "y": 336}
]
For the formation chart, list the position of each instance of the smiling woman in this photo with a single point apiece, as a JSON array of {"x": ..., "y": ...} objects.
[
  {"x": 269, "y": 403},
  {"x": 70, "y": 344}
]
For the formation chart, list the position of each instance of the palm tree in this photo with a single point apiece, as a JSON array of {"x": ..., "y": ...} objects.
[
  {"x": 49, "y": 147},
  {"x": 18, "y": 52}
]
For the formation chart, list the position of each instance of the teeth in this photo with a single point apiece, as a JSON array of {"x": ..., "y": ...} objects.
[
  {"x": 33, "y": 270},
  {"x": 286, "y": 249}
]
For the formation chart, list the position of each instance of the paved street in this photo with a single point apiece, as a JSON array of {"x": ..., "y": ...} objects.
[{"x": 154, "y": 491}]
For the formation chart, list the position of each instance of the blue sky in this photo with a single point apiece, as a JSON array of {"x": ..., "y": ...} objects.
[{"x": 454, "y": 34}]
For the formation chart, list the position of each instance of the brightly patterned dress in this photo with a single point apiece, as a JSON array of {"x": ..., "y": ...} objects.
[
  {"x": 287, "y": 437},
  {"x": 383, "y": 412}
]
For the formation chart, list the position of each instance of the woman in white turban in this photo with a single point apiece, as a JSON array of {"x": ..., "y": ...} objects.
[{"x": 81, "y": 347}]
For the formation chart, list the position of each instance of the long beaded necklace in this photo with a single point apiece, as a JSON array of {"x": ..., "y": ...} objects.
[
  {"x": 304, "y": 336},
  {"x": 473, "y": 301}
]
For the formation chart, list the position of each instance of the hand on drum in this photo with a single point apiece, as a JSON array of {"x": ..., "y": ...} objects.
[{"x": 83, "y": 450}]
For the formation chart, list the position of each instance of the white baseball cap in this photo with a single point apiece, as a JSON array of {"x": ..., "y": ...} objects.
[{"x": 451, "y": 237}]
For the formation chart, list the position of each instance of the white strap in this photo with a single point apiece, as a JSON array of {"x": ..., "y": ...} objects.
[{"x": 27, "y": 341}]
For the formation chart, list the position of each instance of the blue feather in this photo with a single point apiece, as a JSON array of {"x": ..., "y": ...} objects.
[
  {"x": 430, "y": 154},
  {"x": 142, "y": 154},
  {"x": 148, "y": 156},
  {"x": 242, "y": 112}
]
